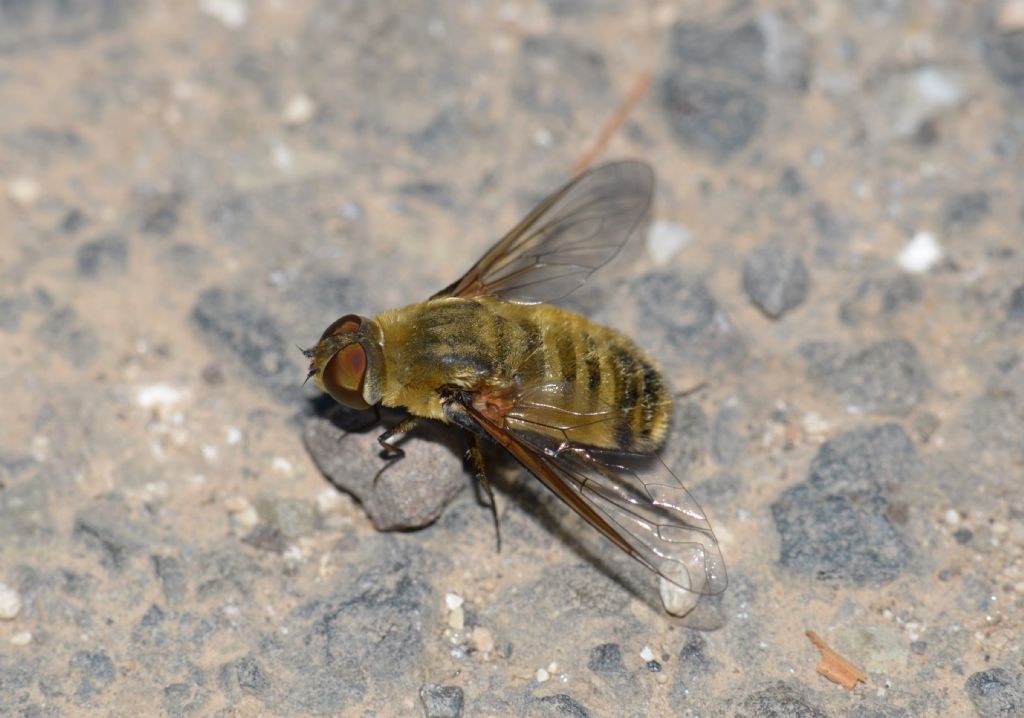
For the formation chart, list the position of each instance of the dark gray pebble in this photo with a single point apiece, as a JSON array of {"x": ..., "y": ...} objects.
[
  {"x": 1015, "y": 307},
  {"x": 714, "y": 116},
  {"x": 411, "y": 492},
  {"x": 737, "y": 51},
  {"x": 836, "y": 525},
  {"x": 878, "y": 711},
  {"x": 778, "y": 700},
  {"x": 546, "y": 63},
  {"x": 29, "y": 24},
  {"x": 885, "y": 377},
  {"x": 682, "y": 324},
  {"x": 442, "y": 701},
  {"x": 160, "y": 216},
  {"x": 108, "y": 529},
  {"x": 104, "y": 257},
  {"x": 880, "y": 297},
  {"x": 243, "y": 675},
  {"x": 183, "y": 699},
  {"x": 997, "y": 693},
  {"x": 965, "y": 210},
  {"x": 606, "y": 658},
  {"x": 688, "y": 438},
  {"x": 693, "y": 667},
  {"x": 559, "y": 705},
  {"x": 171, "y": 574},
  {"x": 775, "y": 279},
  {"x": 324, "y": 663},
  {"x": 870, "y": 459},
  {"x": 11, "y": 309},
  {"x": 1004, "y": 52},
  {"x": 94, "y": 670},
  {"x": 65, "y": 333},
  {"x": 235, "y": 325},
  {"x": 834, "y": 234}
]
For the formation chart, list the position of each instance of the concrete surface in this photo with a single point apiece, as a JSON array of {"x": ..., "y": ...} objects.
[{"x": 188, "y": 190}]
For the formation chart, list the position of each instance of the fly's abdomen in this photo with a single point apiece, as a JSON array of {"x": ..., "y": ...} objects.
[{"x": 615, "y": 389}]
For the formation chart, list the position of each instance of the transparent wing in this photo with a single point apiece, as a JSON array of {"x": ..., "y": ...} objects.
[
  {"x": 633, "y": 499},
  {"x": 568, "y": 236}
]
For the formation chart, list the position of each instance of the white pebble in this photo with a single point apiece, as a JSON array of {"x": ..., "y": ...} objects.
[
  {"x": 938, "y": 89},
  {"x": 231, "y": 13},
  {"x": 10, "y": 603},
  {"x": 24, "y": 191},
  {"x": 815, "y": 425},
  {"x": 1011, "y": 17},
  {"x": 482, "y": 640},
  {"x": 453, "y": 601},
  {"x": 299, "y": 110},
  {"x": 158, "y": 396},
  {"x": 236, "y": 504},
  {"x": 247, "y": 518},
  {"x": 952, "y": 517},
  {"x": 647, "y": 654},
  {"x": 542, "y": 675},
  {"x": 665, "y": 239},
  {"x": 234, "y": 436},
  {"x": 282, "y": 466},
  {"x": 21, "y": 639},
  {"x": 282, "y": 157},
  {"x": 920, "y": 254}
]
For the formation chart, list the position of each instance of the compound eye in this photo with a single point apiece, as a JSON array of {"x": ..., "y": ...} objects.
[
  {"x": 348, "y": 323},
  {"x": 343, "y": 376}
]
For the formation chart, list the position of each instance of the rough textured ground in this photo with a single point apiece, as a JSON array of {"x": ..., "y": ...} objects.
[{"x": 191, "y": 189}]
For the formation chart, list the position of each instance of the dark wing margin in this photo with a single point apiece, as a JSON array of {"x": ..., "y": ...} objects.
[
  {"x": 634, "y": 500},
  {"x": 565, "y": 239}
]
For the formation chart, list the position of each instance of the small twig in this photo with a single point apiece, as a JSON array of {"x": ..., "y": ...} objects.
[
  {"x": 615, "y": 122},
  {"x": 836, "y": 668}
]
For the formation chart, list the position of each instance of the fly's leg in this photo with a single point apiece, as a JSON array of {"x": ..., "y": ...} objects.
[
  {"x": 394, "y": 453},
  {"x": 691, "y": 391},
  {"x": 476, "y": 458}
]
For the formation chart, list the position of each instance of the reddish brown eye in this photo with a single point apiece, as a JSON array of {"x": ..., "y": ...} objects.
[
  {"x": 348, "y": 323},
  {"x": 343, "y": 376}
]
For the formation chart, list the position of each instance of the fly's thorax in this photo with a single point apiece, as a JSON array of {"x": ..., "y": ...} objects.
[{"x": 433, "y": 344}]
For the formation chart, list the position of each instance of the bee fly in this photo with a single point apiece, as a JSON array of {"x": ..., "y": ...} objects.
[{"x": 579, "y": 405}]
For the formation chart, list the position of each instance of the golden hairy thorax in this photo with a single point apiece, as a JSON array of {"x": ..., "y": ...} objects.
[{"x": 487, "y": 345}]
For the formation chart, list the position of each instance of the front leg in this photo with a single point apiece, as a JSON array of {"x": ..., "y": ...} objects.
[{"x": 394, "y": 453}]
